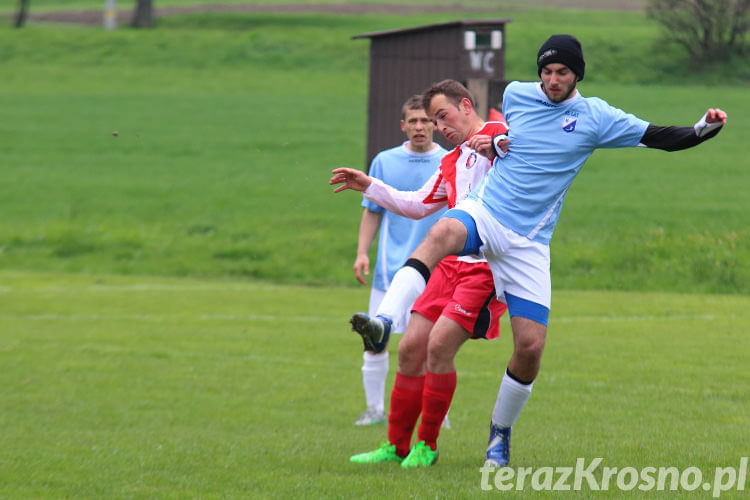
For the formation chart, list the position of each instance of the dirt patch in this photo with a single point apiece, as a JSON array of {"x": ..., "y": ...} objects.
[{"x": 95, "y": 16}]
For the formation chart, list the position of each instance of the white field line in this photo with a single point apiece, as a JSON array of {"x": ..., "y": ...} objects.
[
  {"x": 605, "y": 318},
  {"x": 164, "y": 317},
  {"x": 140, "y": 287},
  {"x": 325, "y": 319}
]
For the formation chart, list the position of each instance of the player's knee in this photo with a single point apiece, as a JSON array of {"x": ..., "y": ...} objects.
[
  {"x": 530, "y": 347},
  {"x": 446, "y": 237},
  {"x": 411, "y": 356},
  {"x": 439, "y": 356}
]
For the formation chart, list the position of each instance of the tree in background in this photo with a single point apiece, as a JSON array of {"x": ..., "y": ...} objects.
[
  {"x": 23, "y": 12},
  {"x": 710, "y": 30},
  {"x": 144, "y": 14}
]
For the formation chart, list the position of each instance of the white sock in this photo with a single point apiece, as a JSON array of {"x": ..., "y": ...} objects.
[
  {"x": 374, "y": 372},
  {"x": 406, "y": 286},
  {"x": 511, "y": 398}
]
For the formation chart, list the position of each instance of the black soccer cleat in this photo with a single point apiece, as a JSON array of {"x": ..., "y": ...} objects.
[{"x": 375, "y": 332}]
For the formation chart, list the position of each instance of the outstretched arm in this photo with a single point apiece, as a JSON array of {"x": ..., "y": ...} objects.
[
  {"x": 413, "y": 204},
  {"x": 677, "y": 138},
  {"x": 350, "y": 178}
]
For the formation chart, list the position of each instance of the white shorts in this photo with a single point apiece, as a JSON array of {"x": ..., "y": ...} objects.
[
  {"x": 399, "y": 324},
  {"x": 519, "y": 266}
]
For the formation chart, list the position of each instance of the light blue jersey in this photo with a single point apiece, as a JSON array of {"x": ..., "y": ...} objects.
[
  {"x": 549, "y": 143},
  {"x": 399, "y": 236}
]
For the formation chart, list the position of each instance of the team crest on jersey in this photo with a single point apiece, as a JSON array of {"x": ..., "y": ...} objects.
[
  {"x": 569, "y": 123},
  {"x": 471, "y": 160}
]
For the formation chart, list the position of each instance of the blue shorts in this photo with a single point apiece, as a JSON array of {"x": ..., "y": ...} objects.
[
  {"x": 473, "y": 241},
  {"x": 520, "y": 267}
]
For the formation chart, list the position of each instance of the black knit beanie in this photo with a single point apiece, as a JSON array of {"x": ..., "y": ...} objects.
[{"x": 563, "y": 49}]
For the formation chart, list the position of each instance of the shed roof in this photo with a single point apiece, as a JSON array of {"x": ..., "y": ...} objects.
[{"x": 431, "y": 27}]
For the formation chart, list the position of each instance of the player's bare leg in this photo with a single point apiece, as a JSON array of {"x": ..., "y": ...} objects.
[
  {"x": 406, "y": 398},
  {"x": 446, "y": 237},
  {"x": 528, "y": 344},
  {"x": 445, "y": 338},
  {"x": 515, "y": 389},
  {"x": 412, "y": 350}
]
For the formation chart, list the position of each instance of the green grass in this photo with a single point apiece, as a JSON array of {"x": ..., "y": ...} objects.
[
  {"x": 136, "y": 387},
  {"x": 121, "y": 4},
  {"x": 229, "y": 125},
  {"x": 146, "y": 353}
]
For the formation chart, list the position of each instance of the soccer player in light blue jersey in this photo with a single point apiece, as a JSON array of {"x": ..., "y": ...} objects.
[
  {"x": 511, "y": 216},
  {"x": 406, "y": 167}
]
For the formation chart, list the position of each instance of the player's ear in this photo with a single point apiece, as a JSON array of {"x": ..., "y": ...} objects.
[
  {"x": 465, "y": 105},
  {"x": 403, "y": 126}
]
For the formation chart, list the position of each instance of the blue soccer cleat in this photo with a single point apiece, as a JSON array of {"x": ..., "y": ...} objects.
[
  {"x": 375, "y": 332},
  {"x": 498, "y": 447}
]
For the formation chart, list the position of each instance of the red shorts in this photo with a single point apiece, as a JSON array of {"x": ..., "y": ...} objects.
[{"x": 465, "y": 293}]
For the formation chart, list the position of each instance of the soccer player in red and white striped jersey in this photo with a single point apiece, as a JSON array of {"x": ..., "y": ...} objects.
[{"x": 458, "y": 302}]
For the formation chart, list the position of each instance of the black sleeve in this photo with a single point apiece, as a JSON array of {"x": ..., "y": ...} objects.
[{"x": 673, "y": 138}]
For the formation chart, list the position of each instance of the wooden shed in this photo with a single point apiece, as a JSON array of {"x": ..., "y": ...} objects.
[{"x": 406, "y": 61}]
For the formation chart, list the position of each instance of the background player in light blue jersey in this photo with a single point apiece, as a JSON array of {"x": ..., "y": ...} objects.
[
  {"x": 511, "y": 216},
  {"x": 406, "y": 167}
]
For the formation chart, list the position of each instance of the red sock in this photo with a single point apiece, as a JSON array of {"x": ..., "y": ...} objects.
[
  {"x": 436, "y": 399},
  {"x": 406, "y": 404}
]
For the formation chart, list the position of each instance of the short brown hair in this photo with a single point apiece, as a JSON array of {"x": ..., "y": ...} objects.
[
  {"x": 451, "y": 89},
  {"x": 414, "y": 103}
]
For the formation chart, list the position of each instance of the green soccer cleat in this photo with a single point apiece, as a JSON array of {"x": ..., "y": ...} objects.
[
  {"x": 386, "y": 453},
  {"x": 420, "y": 456}
]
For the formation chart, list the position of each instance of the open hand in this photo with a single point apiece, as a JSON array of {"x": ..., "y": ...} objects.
[{"x": 350, "y": 178}]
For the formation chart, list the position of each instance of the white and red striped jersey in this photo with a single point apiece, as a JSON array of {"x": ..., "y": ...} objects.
[{"x": 460, "y": 171}]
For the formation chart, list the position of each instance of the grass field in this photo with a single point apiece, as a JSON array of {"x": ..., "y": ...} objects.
[
  {"x": 95, "y": 4},
  {"x": 173, "y": 298},
  {"x": 130, "y": 387},
  {"x": 222, "y": 116}
]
